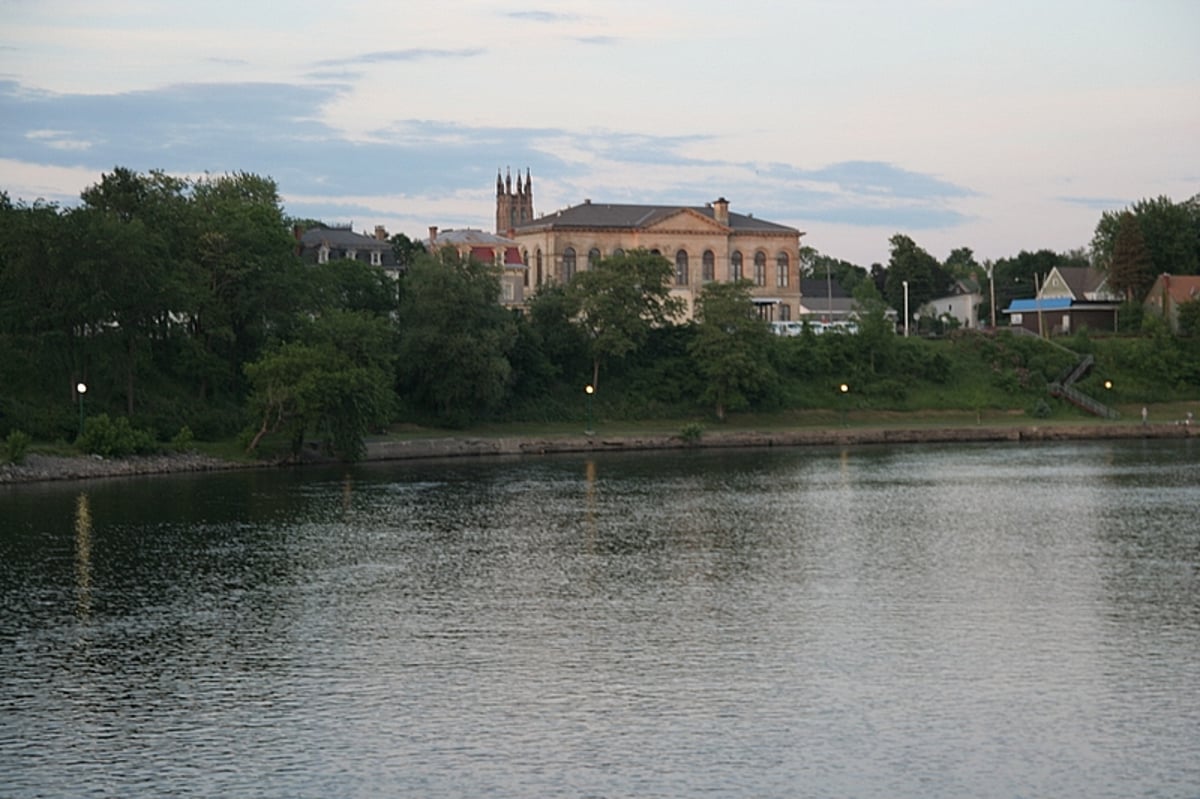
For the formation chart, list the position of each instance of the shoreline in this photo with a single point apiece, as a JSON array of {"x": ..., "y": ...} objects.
[{"x": 48, "y": 468}]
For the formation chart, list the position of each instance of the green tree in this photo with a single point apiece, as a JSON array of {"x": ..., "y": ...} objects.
[
  {"x": 335, "y": 383},
  {"x": 455, "y": 338},
  {"x": 1130, "y": 271},
  {"x": 876, "y": 339},
  {"x": 1170, "y": 234},
  {"x": 731, "y": 346},
  {"x": 620, "y": 301},
  {"x": 961, "y": 263},
  {"x": 909, "y": 263}
]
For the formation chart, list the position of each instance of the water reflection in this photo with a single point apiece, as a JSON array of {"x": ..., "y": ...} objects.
[
  {"x": 934, "y": 622},
  {"x": 83, "y": 557}
]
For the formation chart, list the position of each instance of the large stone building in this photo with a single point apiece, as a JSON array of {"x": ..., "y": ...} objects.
[{"x": 705, "y": 243}]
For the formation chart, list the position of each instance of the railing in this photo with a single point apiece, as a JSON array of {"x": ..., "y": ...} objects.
[{"x": 1083, "y": 401}]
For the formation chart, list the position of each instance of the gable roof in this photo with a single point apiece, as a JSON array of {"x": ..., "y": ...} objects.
[
  {"x": 1083, "y": 282},
  {"x": 1180, "y": 289},
  {"x": 640, "y": 217},
  {"x": 820, "y": 287}
]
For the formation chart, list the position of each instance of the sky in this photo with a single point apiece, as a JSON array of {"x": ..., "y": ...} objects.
[{"x": 999, "y": 126}]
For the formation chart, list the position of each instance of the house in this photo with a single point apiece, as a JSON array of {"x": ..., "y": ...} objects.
[
  {"x": 961, "y": 304},
  {"x": 1168, "y": 293},
  {"x": 320, "y": 245},
  {"x": 705, "y": 243},
  {"x": 1070, "y": 298},
  {"x": 487, "y": 248},
  {"x": 824, "y": 300}
]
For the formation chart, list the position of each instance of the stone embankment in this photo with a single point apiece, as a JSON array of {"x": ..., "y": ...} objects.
[{"x": 44, "y": 467}]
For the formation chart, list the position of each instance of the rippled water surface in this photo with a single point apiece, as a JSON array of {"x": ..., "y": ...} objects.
[{"x": 989, "y": 621}]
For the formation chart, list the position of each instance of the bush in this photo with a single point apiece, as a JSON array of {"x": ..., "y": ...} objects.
[
  {"x": 17, "y": 446},
  {"x": 692, "y": 432},
  {"x": 114, "y": 438},
  {"x": 1041, "y": 410},
  {"x": 183, "y": 440}
]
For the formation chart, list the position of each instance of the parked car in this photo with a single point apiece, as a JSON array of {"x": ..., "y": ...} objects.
[{"x": 787, "y": 328}]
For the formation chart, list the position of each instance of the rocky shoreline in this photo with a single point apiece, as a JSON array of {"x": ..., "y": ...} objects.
[{"x": 39, "y": 468}]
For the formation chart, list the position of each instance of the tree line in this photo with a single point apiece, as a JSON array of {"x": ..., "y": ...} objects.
[{"x": 183, "y": 306}]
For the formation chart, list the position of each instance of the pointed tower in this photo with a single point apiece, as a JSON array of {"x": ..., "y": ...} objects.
[{"x": 514, "y": 207}]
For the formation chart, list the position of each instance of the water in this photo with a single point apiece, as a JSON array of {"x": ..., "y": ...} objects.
[{"x": 989, "y": 621}]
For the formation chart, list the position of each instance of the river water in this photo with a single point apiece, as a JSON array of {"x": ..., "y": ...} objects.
[{"x": 925, "y": 621}]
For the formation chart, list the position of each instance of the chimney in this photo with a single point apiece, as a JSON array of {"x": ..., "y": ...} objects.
[
  {"x": 380, "y": 233},
  {"x": 432, "y": 236},
  {"x": 721, "y": 210}
]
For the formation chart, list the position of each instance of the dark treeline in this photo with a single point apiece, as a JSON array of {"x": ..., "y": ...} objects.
[{"x": 184, "y": 308}]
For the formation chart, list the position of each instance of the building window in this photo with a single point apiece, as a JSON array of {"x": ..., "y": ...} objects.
[
  {"x": 781, "y": 269},
  {"x": 510, "y": 291},
  {"x": 760, "y": 268},
  {"x": 618, "y": 253},
  {"x": 708, "y": 267},
  {"x": 735, "y": 262},
  {"x": 538, "y": 258},
  {"x": 593, "y": 258},
  {"x": 785, "y": 312},
  {"x": 376, "y": 258},
  {"x": 323, "y": 255},
  {"x": 525, "y": 261},
  {"x": 568, "y": 264},
  {"x": 681, "y": 268}
]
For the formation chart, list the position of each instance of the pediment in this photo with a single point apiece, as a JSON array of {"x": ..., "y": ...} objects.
[{"x": 685, "y": 220}]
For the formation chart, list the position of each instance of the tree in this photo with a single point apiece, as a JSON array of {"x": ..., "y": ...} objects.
[
  {"x": 730, "y": 346},
  {"x": 1130, "y": 271},
  {"x": 335, "y": 382},
  {"x": 620, "y": 301},
  {"x": 961, "y": 263},
  {"x": 406, "y": 250},
  {"x": 909, "y": 263},
  {"x": 1170, "y": 233},
  {"x": 455, "y": 338}
]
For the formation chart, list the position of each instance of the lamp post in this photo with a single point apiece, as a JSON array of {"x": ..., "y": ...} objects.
[
  {"x": 589, "y": 389},
  {"x": 905, "y": 284},
  {"x": 844, "y": 389},
  {"x": 81, "y": 389},
  {"x": 991, "y": 273}
]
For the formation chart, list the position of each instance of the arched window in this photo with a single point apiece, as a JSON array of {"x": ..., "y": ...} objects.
[
  {"x": 538, "y": 258},
  {"x": 681, "y": 268},
  {"x": 735, "y": 264},
  {"x": 760, "y": 268},
  {"x": 618, "y": 253},
  {"x": 568, "y": 264},
  {"x": 708, "y": 267},
  {"x": 525, "y": 260},
  {"x": 593, "y": 258},
  {"x": 781, "y": 269}
]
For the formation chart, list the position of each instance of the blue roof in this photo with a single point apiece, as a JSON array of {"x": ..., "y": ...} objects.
[{"x": 1033, "y": 305}]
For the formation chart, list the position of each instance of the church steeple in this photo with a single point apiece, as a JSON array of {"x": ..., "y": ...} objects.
[{"x": 513, "y": 207}]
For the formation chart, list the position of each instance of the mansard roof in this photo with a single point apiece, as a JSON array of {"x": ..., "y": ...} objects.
[{"x": 638, "y": 217}]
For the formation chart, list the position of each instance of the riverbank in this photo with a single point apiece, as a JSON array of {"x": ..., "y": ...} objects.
[{"x": 39, "y": 468}]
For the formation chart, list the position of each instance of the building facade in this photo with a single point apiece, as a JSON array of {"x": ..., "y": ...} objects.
[
  {"x": 704, "y": 243},
  {"x": 486, "y": 248},
  {"x": 320, "y": 245}
]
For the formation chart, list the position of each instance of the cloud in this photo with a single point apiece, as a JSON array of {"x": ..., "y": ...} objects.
[
  {"x": 279, "y": 130},
  {"x": 1096, "y": 203},
  {"x": 542, "y": 16},
  {"x": 400, "y": 56}
]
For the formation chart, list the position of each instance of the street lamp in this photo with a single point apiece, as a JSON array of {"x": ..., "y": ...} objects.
[
  {"x": 589, "y": 389},
  {"x": 81, "y": 389},
  {"x": 844, "y": 389},
  {"x": 905, "y": 284}
]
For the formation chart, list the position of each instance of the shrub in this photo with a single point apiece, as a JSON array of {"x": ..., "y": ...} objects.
[
  {"x": 183, "y": 440},
  {"x": 17, "y": 446},
  {"x": 1041, "y": 410},
  {"x": 692, "y": 432},
  {"x": 114, "y": 438}
]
